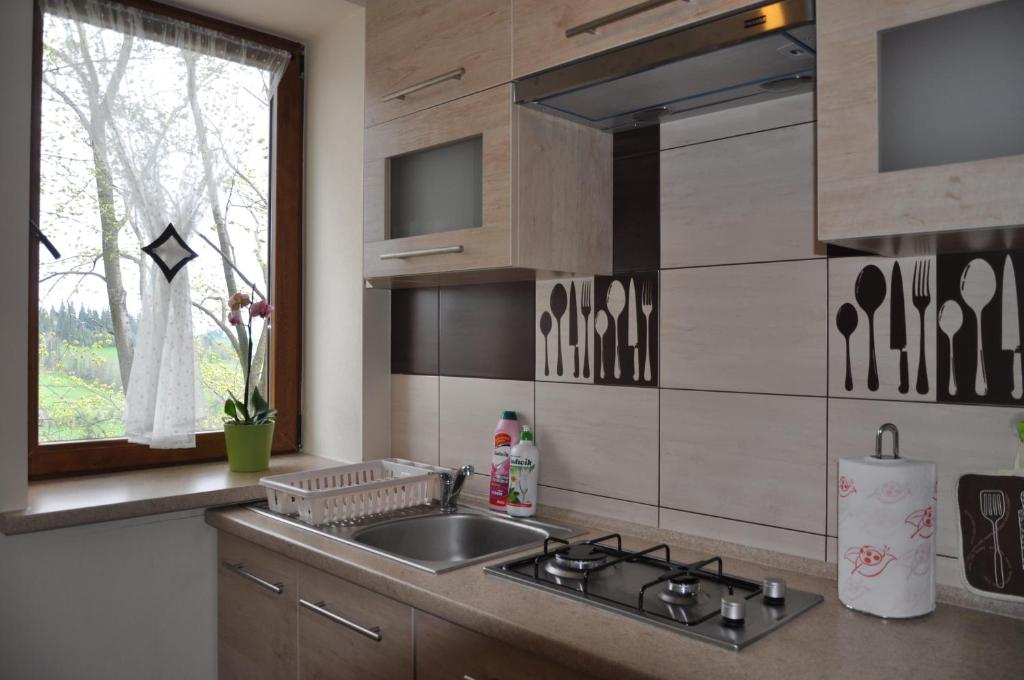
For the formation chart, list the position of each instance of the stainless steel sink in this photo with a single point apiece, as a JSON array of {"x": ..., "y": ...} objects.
[{"x": 428, "y": 539}]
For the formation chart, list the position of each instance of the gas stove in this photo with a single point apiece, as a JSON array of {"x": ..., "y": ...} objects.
[{"x": 696, "y": 599}]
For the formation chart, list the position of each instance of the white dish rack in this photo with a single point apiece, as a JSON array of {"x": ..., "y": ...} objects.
[{"x": 350, "y": 492}]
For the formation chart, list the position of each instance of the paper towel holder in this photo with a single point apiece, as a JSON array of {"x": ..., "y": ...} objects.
[{"x": 888, "y": 427}]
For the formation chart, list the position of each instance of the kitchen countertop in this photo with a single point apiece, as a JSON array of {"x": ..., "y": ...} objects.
[
  {"x": 57, "y": 503},
  {"x": 829, "y": 641}
]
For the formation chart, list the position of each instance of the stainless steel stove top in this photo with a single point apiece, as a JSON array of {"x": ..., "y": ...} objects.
[{"x": 695, "y": 599}]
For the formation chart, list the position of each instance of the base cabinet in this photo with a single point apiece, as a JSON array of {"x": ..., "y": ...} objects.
[{"x": 445, "y": 651}]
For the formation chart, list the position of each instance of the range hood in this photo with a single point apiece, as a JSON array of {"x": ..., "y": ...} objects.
[{"x": 731, "y": 60}]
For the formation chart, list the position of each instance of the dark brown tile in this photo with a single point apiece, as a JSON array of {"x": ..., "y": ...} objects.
[
  {"x": 616, "y": 336},
  {"x": 636, "y": 202},
  {"x": 414, "y": 335},
  {"x": 487, "y": 331}
]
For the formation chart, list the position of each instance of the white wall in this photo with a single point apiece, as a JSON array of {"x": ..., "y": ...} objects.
[{"x": 137, "y": 599}]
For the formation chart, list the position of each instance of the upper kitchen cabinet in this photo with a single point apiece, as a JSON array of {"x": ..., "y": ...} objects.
[
  {"x": 921, "y": 124},
  {"x": 423, "y": 53},
  {"x": 547, "y": 33},
  {"x": 480, "y": 189}
]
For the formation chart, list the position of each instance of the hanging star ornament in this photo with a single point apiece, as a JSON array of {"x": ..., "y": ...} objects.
[{"x": 170, "y": 252}]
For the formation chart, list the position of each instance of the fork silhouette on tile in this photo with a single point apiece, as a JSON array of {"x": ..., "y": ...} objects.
[{"x": 921, "y": 297}]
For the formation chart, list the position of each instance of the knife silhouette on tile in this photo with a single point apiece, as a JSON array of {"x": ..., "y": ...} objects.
[
  {"x": 898, "y": 326},
  {"x": 1011, "y": 325},
  {"x": 574, "y": 332},
  {"x": 558, "y": 304},
  {"x": 632, "y": 337}
]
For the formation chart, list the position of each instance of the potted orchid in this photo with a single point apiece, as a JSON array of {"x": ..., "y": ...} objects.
[{"x": 249, "y": 425}]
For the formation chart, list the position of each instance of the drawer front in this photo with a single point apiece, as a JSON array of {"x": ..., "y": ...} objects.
[
  {"x": 540, "y": 27},
  {"x": 433, "y": 51},
  {"x": 255, "y": 623},
  {"x": 487, "y": 115},
  {"x": 445, "y": 651},
  {"x": 350, "y": 633}
]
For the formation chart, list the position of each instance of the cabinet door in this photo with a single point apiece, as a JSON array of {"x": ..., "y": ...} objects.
[
  {"x": 545, "y": 32},
  {"x": 437, "y": 188},
  {"x": 349, "y": 633},
  {"x": 915, "y": 134},
  {"x": 434, "y": 51},
  {"x": 255, "y": 612},
  {"x": 445, "y": 651}
]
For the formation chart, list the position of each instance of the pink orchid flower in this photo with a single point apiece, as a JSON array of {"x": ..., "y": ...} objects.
[
  {"x": 234, "y": 317},
  {"x": 261, "y": 309},
  {"x": 238, "y": 300}
]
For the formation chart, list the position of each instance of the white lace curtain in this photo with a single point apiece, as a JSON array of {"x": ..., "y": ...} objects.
[{"x": 162, "y": 394}]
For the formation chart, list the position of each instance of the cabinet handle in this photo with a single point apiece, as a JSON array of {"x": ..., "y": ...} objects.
[
  {"x": 240, "y": 569},
  {"x": 424, "y": 84},
  {"x": 421, "y": 253},
  {"x": 593, "y": 25},
  {"x": 318, "y": 608}
]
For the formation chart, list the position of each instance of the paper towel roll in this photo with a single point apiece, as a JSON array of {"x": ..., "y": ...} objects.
[{"x": 887, "y": 536}]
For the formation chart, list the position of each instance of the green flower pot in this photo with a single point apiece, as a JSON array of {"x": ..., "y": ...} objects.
[{"x": 248, "y": 446}]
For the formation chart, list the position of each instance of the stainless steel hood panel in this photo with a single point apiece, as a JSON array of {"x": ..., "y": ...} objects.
[{"x": 751, "y": 55}]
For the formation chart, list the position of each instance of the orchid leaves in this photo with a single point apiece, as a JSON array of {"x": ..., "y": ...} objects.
[{"x": 240, "y": 414}]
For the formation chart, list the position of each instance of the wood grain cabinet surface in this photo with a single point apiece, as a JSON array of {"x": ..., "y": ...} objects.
[
  {"x": 967, "y": 205},
  {"x": 539, "y": 27},
  {"x": 415, "y": 45},
  {"x": 333, "y": 648},
  {"x": 445, "y": 651},
  {"x": 546, "y": 203},
  {"x": 256, "y": 631}
]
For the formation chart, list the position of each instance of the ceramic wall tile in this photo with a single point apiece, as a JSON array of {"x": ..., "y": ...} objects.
[
  {"x": 414, "y": 335},
  {"x": 626, "y": 329},
  {"x": 470, "y": 409},
  {"x": 414, "y": 417},
  {"x": 622, "y": 511},
  {"x": 745, "y": 328},
  {"x": 989, "y": 284},
  {"x": 757, "y": 458},
  {"x": 557, "y": 356},
  {"x": 598, "y": 439},
  {"x": 485, "y": 331},
  {"x": 744, "y": 533},
  {"x": 899, "y": 297},
  {"x": 958, "y": 438},
  {"x": 748, "y": 198}
]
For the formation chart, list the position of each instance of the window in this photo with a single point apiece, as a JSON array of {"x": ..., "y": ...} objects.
[{"x": 148, "y": 115}]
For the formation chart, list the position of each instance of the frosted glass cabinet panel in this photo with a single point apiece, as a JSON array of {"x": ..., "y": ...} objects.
[
  {"x": 435, "y": 190},
  {"x": 920, "y": 131},
  {"x": 951, "y": 88}
]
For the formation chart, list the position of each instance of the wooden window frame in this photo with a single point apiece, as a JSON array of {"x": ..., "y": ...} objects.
[{"x": 109, "y": 455}]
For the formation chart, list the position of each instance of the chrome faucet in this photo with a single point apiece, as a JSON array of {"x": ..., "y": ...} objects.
[{"x": 451, "y": 487}]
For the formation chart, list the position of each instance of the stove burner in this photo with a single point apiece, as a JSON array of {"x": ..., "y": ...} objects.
[
  {"x": 575, "y": 561},
  {"x": 682, "y": 590}
]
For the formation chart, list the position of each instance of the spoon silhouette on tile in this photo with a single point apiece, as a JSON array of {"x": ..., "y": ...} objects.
[
  {"x": 951, "y": 318},
  {"x": 601, "y": 326},
  {"x": 977, "y": 288},
  {"x": 846, "y": 322},
  {"x": 559, "y": 301},
  {"x": 545, "y": 328},
  {"x": 870, "y": 293}
]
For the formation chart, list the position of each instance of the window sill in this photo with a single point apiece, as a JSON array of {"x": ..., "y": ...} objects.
[{"x": 58, "y": 503}]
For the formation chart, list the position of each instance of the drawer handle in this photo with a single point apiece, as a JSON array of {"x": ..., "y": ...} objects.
[
  {"x": 424, "y": 84},
  {"x": 592, "y": 26},
  {"x": 318, "y": 608},
  {"x": 421, "y": 253},
  {"x": 240, "y": 569}
]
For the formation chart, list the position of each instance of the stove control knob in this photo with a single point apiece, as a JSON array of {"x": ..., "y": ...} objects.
[
  {"x": 734, "y": 610},
  {"x": 774, "y": 590}
]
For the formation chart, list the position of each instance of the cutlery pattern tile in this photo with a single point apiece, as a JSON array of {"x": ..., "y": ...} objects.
[
  {"x": 979, "y": 355},
  {"x": 874, "y": 340},
  {"x": 627, "y": 353},
  {"x": 565, "y": 307}
]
